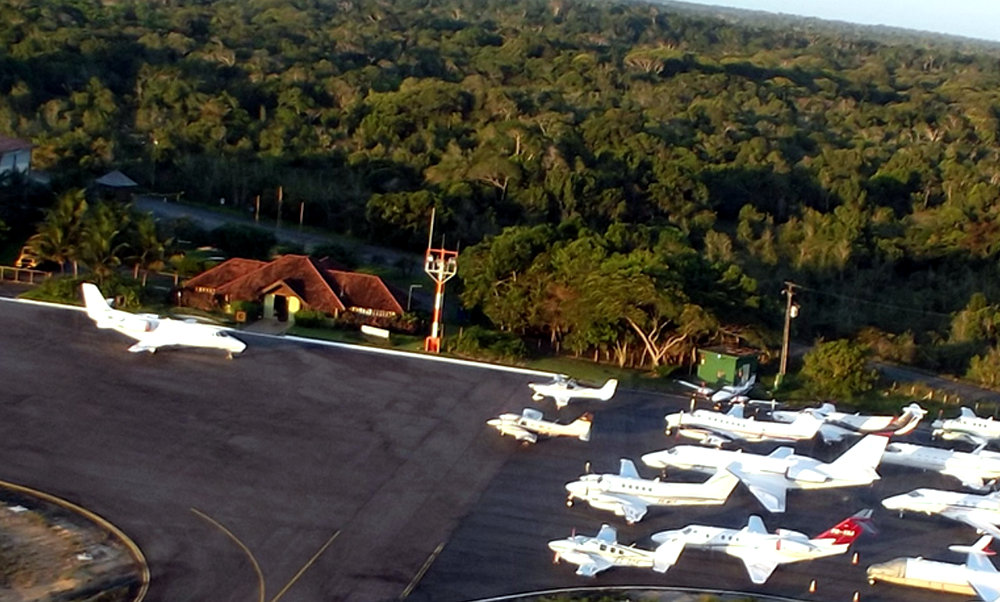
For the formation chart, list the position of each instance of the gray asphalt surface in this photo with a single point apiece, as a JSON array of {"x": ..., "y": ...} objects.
[
  {"x": 293, "y": 442},
  {"x": 284, "y": 446}
]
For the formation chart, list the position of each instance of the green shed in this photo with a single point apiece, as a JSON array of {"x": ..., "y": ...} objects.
[{"x": 719, "y": 366}]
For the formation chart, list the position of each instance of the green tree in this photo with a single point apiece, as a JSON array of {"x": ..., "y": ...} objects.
[
  {"x": 59, "y": 236},
  {"x": 838, "y": 369}
]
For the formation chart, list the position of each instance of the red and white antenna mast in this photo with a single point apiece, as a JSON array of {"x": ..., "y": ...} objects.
[{"x": 440, "y": 265}]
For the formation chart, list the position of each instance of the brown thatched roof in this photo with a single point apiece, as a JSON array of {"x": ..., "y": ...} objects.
[
  {"x": 225, "y": 272},
  {"x": 364, "y": 290}
]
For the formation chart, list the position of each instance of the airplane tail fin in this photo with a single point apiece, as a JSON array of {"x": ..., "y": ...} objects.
[
  {"x": 608, "y": 390},
  {"x": 908, "y": 420},
  {"x": 97, "y": 306},
  {"x": 847, "y": 530},
  {"x": 581, "y": 426},
  {"x": 862, "y": 458}
]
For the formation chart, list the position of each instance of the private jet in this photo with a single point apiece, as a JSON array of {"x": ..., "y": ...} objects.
[
  {"x": 837, "y": 426},
  {"x": 978, "y": 469},
  {"x": 719, "y": 428},
  {"x": 760, "y": 551},
  {"x": 770, "y": 477},
  {"x": 722, "y": 394},
  {"x": 152, "y": 332},
  {"x": 981, "y": 512},
  {"x": 977, "y": 576},
  {"x": 967, "y": 427}
]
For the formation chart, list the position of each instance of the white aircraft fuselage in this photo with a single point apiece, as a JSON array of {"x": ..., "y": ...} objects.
[
  {"x": 716, "y": 428},
  {"x": 152, "y": 332},
  {"x": 967, "y": 427},
  {"x": 630, "y": 496},
  {"x": 530, "y": 424},
  {"x": 837, "y": 425},
  {"x": 580, "y": 549},
  {"x": 939, "y": 501},
  {"x": 973, "y": 469},
  {"x": 563, "y": 390},
  {"x": 789, "y": 546}
]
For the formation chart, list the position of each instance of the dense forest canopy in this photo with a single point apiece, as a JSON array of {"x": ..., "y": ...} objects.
[{"x": 733, "y": 155}]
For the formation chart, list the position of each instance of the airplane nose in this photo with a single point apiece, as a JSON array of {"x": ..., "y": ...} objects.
[
  {"x": 560, "y": 546},
  {"x": 493, "y": 422},
  {"x": 892, "y": 503},
  {"x": 577, "y": 488}
]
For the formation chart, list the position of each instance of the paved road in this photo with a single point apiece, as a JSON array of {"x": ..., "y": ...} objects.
[
  {"x": 286, "y": 233},
  {"x": 294, "y": 442}
]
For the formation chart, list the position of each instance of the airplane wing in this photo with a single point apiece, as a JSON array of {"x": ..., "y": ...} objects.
[
  {"x": 759, "y": 565},
  {"x": 980, "y": 521},
  {"x": 633, "y": 508},
  {"x": 561, "y": 400},
  {"x": 970, "y": 479},
  {"x": 982, "y": 576},
  {"x": 596, "y": 565},
  {"x": 665, "y": 556},
  {"x": 769, "y": 490},
  {"x": 141, "y": 346}
]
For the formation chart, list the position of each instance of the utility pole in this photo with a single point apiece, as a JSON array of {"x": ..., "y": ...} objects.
[{"x": 791, "y": 310}]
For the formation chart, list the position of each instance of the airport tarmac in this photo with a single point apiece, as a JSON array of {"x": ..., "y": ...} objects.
[{"x": 293, "y": 443}]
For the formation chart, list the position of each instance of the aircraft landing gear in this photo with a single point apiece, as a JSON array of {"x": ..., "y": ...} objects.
[{"x": 569, "y": 502}]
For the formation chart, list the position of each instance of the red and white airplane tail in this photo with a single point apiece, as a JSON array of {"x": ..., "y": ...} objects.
[
  {"x": 907, "y": 420},
  {"x": 846, "y": 531}
]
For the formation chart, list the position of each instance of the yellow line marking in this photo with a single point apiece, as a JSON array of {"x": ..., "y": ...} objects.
[
  {"x": 420, "y": 574},
  {"x": 306, "y": 566},
  {"x": 246, "y": 550}
]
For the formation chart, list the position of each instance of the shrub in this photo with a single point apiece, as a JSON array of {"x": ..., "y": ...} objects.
[
  {"x": 485, "y": 344},
  {"x": 311, "y": 318}
]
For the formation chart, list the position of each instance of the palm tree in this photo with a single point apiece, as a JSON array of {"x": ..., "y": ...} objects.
[
  {"x": 149, "y": 249},
  {"x": 100, "y": 242},
  {"x": 58, "y": 236}
]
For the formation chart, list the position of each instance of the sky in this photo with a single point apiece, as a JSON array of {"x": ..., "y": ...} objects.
[{"x": 969, "y": 18}]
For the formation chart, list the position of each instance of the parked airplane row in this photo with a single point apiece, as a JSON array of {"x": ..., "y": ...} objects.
[{"x": 761, "y": 552}]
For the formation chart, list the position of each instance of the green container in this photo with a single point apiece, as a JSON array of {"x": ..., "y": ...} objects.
[{"x": 718, "y": 366}]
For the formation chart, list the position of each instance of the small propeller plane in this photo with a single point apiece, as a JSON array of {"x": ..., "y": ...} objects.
[
  {"x": 629, "y": 495},
  {"x": 981, "y": 512},
  {"x": 564, "y": 389},
  {"x": 152, "y": 332},
  {"x": 595, "y": 554},
  {"x": 527, "y": 426},
  {"x": 718, "y": 428},
  {"x": 722, "y": 394},
  {"x": 759, "y": 550},
  {"x": 770, "y": 477},
  {"x": 838, "y": 425},
  {"x": 967, "y": 427},
  {"x": 978, "y": 469},
  {"x": 977, "y": 576}
]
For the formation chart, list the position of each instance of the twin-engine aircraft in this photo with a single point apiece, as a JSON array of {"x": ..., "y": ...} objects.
[
  {"x": 770, "y": 477},
  {"x": 564, "y": 389},
  {"x": 759, "y": 550},
  {"x": 527, "y": 426},
  {"x": 979, "y": 511},
  {"x": 838, "y": 425},
  {"x": 967, "y": 427},
  {"x": 629, "y": 495},
  {"x": 718, "y": 428},
  {"x": 722, "y": 394},
  {"x": 595, "y": 554},
  {"x": 978, "y": 469},
  {"x": 977, "y": 576},
  {"x": 152, "y": 332}
]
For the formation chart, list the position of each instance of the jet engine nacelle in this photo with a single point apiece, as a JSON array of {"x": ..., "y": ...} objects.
[{"x": 806, "y": 474}]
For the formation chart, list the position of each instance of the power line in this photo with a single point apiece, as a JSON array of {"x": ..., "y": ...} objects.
[{"x": 876, "y": 303}]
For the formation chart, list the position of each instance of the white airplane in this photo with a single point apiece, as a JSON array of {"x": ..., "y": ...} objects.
[
  {"x": 759, "y": 550},
  {"x": 977, "y": 576},
  {"x": 529, "y": 424},
  {"x": 595, "y": 554},
  {"x": 770, "y": 477},
  {"x": 563, "y": 389},
  {"x": 152, "y": 332},
  {"x": 722, "y": 394},
  {"x": 838, "y": 425},
  {"x": 967, "y": 427},
  {"x": 629, "y": 495},
  {"x": 981, "y": 512},
  {"x": 978, "y": 469},
  {"x": 718, "y": 428}
]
